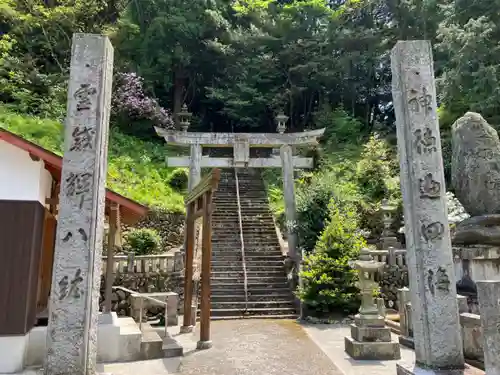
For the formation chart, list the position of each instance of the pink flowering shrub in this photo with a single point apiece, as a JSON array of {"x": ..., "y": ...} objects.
[{"x": 131, "y": 102}]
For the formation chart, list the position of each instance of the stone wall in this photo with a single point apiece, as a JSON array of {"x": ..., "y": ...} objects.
[
  {"x": 393, "y": 277},
  {"x": 170, "y": 227},
  {"x": 142, "y": 283}
]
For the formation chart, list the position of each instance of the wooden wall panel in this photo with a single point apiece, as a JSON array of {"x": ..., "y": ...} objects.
[{"x": 21, "y": 230}]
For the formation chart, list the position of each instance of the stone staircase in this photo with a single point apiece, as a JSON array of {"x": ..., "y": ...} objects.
[{"x": 269, "y": 295}]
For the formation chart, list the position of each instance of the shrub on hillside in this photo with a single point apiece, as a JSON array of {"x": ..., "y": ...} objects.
[
  {"x": 328, "y": 280},
  {"x": 313, "y": 197},
  {"x": 375, "y": 169},
  {"x": 179, "y": 179},
  {"x": 377, "y": 178},
  {"x": 143, "y": 241},
  {"x": 339, "y": 126}
]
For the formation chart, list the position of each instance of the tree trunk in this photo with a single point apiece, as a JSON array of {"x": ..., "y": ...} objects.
[{"x": 178, "y": 94}]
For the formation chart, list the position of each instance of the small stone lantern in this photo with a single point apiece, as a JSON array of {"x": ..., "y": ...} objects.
[
  {"x": 370, "y": 339},
  {"x": 367, "y": 268},
  {"x": 185, "y": 118},
  {"x": 281, "y": 118},
  {"x": 388, "y": 238}
]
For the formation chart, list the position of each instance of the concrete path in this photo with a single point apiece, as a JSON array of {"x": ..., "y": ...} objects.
[
  {"x": 257, "y": 347},
  {"x": 241, "y": 347}
]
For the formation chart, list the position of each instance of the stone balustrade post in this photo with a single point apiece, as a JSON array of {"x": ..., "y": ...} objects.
[
  {"x": 403, "y": 299},
  {"x": 488, "y": 293}
]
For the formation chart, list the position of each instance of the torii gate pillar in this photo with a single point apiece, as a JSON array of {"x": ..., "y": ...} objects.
[
  {"x": 194, "y": 166},
  {"x": 290, "y": 209}
]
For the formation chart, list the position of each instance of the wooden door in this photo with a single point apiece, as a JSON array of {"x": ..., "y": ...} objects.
[{"x": 46, "y": 262}]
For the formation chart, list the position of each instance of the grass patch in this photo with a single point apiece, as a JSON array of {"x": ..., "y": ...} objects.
[{"x": 136, "y": 169}]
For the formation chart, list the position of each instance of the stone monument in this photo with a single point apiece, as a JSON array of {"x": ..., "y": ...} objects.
[
  {"x": 74, "y": 297},
  {"x": 435, "y": 319},
  {"x": 370, "y": 338},
  {"x": 475, "y": 175},
  {"x": 475, "y": 167}
]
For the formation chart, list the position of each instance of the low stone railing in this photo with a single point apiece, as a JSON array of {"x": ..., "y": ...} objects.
[
  {"x": 472, "y": 332},
  {"x": 392, "y": 257},
  {"x": 393, "y": 276},
  {"x": 143, "y": 264}
]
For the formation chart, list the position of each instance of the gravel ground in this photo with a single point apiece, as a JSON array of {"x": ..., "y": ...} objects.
[{"x": 257, "y": 347}]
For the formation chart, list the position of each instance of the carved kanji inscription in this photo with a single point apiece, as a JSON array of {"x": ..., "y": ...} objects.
[
  {"x": 71, "y": 288},
  {"x": 425, "y": 142},
  {"x": 433, "y": 231},
  {"x": 83, "y": 97},
  {"x": 429, "y": 188},
  {"x": 83, "y": 138},
  {"x": 78, "y": 185}
]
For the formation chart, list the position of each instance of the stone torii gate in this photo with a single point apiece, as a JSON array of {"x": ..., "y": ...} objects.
[{"x": 241, "y": 144}]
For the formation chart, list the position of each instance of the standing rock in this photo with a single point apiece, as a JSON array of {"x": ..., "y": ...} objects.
[{"x": 475, "y": 166}]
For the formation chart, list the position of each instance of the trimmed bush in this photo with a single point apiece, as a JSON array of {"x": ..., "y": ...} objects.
[
  {"x": 143, "y": 241},
  {"x": 329, "y": 283},
  {"x": 179, "y": 179}
]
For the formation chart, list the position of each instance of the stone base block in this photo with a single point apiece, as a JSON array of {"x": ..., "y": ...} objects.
[
  {"x": 369, "y": 321},
  {"x": 370, "y": 334},
  {"x": 108, "y": 318},
  {"x": 202, "y": 345},
  {"x": 186, "y": 329},
  {"x": 413, "y": 369},
  {"x": 372, "y": 350},
  {"x": 171, "y": 348},
  {"x": 13, "y": 351}
]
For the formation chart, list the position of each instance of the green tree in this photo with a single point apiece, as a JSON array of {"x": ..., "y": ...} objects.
[{"x": 328, "y": 279}]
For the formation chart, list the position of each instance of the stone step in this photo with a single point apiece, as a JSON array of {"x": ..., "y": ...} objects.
[
  {"x": 250, "y": 278},
  {"x": 248, "y": 230},
  {"x": 229, "y": 257},
  {"x": 236, "y": 273},
  {"x": 171, "y": 348},
  {"x": 262, "y": 244},
  {"x": 250, "y": 274},
  {"x": 225, "y": 215},
  {"x": 151, "y": 343},
  {"x": 248, "y": 203},
  {"x": 230, "y": 213},
  {"x": 256, "y": 316},
  {"x": 239, "y": 289},
  {"x": 252, "y": 305},
  {"x": 244, "y": 203},
  {"x": 244, "y": 194},
  {"x": 290, "y": 311},
  {"x": 251, "y": 265},
  {"x": 245, "y": 207},
  {"x": 251, "y": 284},
  {"x": 229, "y": 216},
  {"x": 249, "y": 257},
  {"x": 235, "y": 248},
  {"x": 253, "y": 236},
  {"x": 282, "y": 297}
]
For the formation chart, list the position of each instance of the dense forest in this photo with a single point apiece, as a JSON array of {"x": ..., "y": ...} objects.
[{"x": 236, "y": 64}]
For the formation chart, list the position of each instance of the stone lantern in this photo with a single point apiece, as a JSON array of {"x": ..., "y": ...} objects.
[
  {"x": 281, "y": 118},
  {"x": 370, "y": 339},
  {"x": 185, "y": 118},
  {"x": 388, "y": 238}
]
